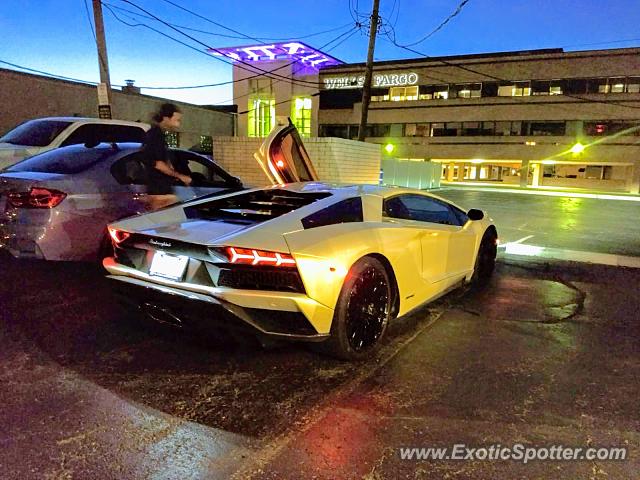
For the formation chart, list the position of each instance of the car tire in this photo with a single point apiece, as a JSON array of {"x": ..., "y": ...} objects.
[
  {"x": 362, "y": 313},
  {"x": 485, "y": 260}
]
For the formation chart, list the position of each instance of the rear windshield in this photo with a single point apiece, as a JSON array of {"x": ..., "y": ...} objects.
[
  {"x": 67, "y": 161},
  {"x": 35, "y": 133}
]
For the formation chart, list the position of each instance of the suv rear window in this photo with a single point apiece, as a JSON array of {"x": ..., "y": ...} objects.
[
  {"x": 94, "y": 133},
  {"x": 35, "y": 133},
  {"x": 68, "y": 161}
]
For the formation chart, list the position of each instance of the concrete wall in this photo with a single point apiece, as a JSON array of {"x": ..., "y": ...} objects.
[
  {"x": 410, "y": 173},
  {"x": 335, "y": 159},
  {"x": 25, "y": 96}
]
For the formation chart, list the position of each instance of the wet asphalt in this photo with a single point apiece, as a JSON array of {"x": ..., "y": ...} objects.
[
  {"x": 548, "y": 354},
  {"x": 570, "y": 223}
]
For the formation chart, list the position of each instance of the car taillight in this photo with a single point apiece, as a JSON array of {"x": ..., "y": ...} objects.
[
  {"x": 118, "y": 236},
  {"x": 248, "y": 256},
  {"x": 36, "y": 198}
]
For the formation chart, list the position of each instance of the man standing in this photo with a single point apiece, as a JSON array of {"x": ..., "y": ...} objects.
[{"x": 161, "y": 174}]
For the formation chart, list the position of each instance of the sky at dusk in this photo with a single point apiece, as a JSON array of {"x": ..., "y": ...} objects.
[{"x": 55, "y": 35}]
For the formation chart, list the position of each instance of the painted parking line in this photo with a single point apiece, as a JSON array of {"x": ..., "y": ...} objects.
[{"x": 525, "y": 250}]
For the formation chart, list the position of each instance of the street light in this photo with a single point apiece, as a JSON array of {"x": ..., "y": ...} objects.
[
  {"x": 577, "y": 148},
  {"x": 389, "y": 148}
]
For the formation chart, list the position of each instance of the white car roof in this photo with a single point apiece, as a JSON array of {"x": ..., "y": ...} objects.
[{"x": 83, "y": 120}]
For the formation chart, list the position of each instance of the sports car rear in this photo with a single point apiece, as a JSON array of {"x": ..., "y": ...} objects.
[{"x": 207, "y": 260}]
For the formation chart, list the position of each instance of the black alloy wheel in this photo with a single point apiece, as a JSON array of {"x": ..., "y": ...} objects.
[
  {"x": 362, "y": 312},
  {"x": 367, "y": 309}
]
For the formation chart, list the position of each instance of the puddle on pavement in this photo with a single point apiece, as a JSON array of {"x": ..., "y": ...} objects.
[{"x": 525, "y": 299}]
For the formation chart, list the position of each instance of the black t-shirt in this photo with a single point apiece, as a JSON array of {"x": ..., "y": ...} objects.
[{"x": 155, "y": 149}]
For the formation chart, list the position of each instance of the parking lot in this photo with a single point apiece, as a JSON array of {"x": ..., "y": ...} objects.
[{"x": 547, "y": 355}]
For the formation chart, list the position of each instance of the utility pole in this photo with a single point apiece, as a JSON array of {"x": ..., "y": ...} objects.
[
  {"x": 366, "y": 88},
  {"x": 104, "y": 88}
]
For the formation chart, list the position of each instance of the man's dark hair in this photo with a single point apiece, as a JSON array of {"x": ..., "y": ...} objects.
[{"x": 165, "y": 110}]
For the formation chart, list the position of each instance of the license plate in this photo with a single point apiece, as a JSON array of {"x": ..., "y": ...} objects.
[{"x": 168, "y": 266}]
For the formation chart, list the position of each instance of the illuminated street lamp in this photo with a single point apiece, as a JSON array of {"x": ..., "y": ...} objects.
[
  {"x": 577, "y": 148},
  {"x": 389, "y": 148}
]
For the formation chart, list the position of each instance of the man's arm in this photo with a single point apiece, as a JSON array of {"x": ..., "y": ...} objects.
[{"x": 168, "y": 170}]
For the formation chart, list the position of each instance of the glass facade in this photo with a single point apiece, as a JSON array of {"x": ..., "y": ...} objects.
[
  {"x": 261, "y": 116},
  {"x": 301, "y": 115}
]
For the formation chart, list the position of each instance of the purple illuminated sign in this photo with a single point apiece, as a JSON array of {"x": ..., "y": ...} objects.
[{"x": 293, "y": 51}]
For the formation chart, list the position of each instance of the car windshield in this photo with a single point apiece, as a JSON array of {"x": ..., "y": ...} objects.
[
  {"x": 35, "y": 133},
  {"x": 67, "y": 160}
]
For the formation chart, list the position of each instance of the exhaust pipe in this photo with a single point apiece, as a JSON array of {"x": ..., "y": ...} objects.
[{"x": 160, "y": 314}]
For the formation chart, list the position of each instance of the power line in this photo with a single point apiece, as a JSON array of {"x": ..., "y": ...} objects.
[
  {"x": 251, "y": 68},
  {"x": 222, "y": 58},
  {"x": 207, "y": 32},
  {"x": 51, "y": 75},
  {"x": 455, "y": 13},
  {"x": 290, "y": 79},
  {"x": 243, "y": 35},
  {"x": 351, "y": 31},
  {"x": 602, "y": 43},
  {"x": 88, "y": 82}
]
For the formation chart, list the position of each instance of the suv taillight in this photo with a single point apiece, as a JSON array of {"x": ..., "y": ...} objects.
[{"x": 36, "y": 198}]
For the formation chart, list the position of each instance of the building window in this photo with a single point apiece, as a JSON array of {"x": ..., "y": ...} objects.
[
  {"x": 301, "y": 115},
  {"x": 471, "y": 129},
  {"x": 611, "y": 127},
  {"x": 262, "y": 115},
  {"x": 517, "y": 89},
  {"x": 617, "y": 85},
  {"x": 449, "y": 129},
  {"x": 396, "y": 130},
  {"x": 540, "y": 87},
  {"x": 399, "y": 94},
  {"x": 377, "y": 130},
  {"x": 633, "y": 85},
  {"x": 597, "y": 85},
  {"x": 441, "y": 92},
  {"x": 379, "y": 94},
  {"x": 544, "y": 128},
  {"x": 206, "y": 143},
  {"x": 416, "y": 130},
  {"x": 339, "y": 131},
  {"x": 556, "y": 87},
  {"x": 468, "y": 91},
  {"x": 172, "y": 139}
]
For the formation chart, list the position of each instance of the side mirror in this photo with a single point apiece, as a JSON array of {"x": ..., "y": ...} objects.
[
  {"x": 236, "y": 182},
  {"x": 475, "y": 214}
]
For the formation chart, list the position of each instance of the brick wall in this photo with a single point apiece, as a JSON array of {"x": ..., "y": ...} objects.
[{"x": 335, "y": 159}]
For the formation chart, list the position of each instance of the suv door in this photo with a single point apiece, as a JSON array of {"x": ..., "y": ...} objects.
[{"x": 283, "y": 157}]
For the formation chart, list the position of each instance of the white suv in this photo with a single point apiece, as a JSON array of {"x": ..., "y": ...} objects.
[{"x": 42, "y": 134}]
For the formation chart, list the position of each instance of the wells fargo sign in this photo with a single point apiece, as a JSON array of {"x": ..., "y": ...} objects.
[{"x": 379, "y": 80}]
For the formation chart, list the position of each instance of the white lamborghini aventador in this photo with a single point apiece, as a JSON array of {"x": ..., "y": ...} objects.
[{"x": 308, "y": 260}]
